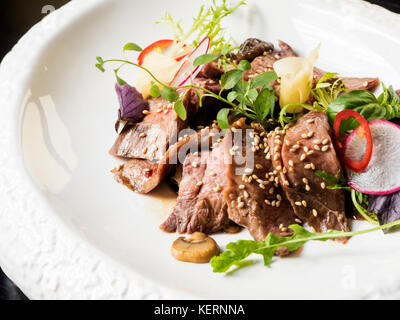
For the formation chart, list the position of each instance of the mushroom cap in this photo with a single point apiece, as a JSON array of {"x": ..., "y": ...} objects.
[{"x": 197, "y": 248}]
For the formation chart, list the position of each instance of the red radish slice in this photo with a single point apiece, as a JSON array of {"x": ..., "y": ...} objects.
[
  {"x": 160, "y": 45},
  {"x": 182, "y": 77},
  {"x": 382, "y": 176}
]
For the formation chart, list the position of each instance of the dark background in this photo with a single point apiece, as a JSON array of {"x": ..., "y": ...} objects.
[{"x": 16, "y": 18}]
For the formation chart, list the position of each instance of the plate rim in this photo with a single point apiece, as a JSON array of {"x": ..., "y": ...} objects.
[{"x": 35, "y": 269}]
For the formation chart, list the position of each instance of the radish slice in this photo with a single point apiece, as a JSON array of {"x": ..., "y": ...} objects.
[
  {"x": 182, "y": 77},
  {"x": 382, "y": 176}
]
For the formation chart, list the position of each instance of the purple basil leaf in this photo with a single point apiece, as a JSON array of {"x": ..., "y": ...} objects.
[
  {"x": 387, "y": 207},
  {"x": 131, "y": 103}
]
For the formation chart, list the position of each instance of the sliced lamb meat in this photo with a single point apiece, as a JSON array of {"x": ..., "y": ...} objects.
[
  {"x": 305, "y": 147},
  {"x": 200, "y": 204},
  {"x": 255, "y": 198},
  {"x": 143, "y": 176}
]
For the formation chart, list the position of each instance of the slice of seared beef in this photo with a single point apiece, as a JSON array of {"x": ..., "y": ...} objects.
[
  {"x": 305, "y": 147},
  {"x": 200, "y": 204},
  {"x": 254, "y": 196},
  {"x": 143, "y": 176},
  {"x": 150, "y": 138},
  {"x": 252, "y": 48}
]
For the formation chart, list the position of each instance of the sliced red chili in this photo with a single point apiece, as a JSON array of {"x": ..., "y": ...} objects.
[
  {"x": 363, "y": 131},
  {"x": 160, "y": 45}
]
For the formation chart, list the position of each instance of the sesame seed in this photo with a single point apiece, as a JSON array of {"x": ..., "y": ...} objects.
[
  {"x": 312, "y": 166},
  {"x": 240, "y": 205},
  {"x": 239, "y": 199},
  {"x": 144, "y": 151},
  {"x": 309, "y": 153},
  {"x": 303, "y": 157},
  {"x": 304, "y": 135},
  {"x": 276, "y": 157},
  {"x": 254, "y": 177},
  {"x": 291, "y": 163},
  {"x": 298, "y": 203},
  {"x": 142, "y": 135},
  {"x": 298, "y": 220},
  {"x": 267, "y": 202},
  {"x": 242, "y": 186},
  {"x": 199, "y": 184},
  {"x": 304, "y": 203},
  {"x": 146, "y": 170},
  {"x": 259, "y": 166},
  {"x": 325, "y": 148},
  {"x": 310, "y": 134},
  {"x": 248, "y": 170},
  {"x": 268, "y": 156},
  {"x": 284, "y": 229},
  {"x": 279, "y": 197},
  {"x": 296, "y": 146},
  {"x": 271, "y": 190},
  {"x": 279, "y": 168},
  {"x": 145, "y": 111},
  {"x": 365, "y": 83},
  {"x": 273, "y": 203},
  {"x": 310, "y": 121},
  {"x": 246, "y": 194},
  {"x": 317, "y": 147},
  {"x": 326, "y": 141},
  {"x": 305, "y": 180},
  {"x": 287, "y": 142},
  {"x": 314, "y": 212},
  {"x": 308, "y": 188},
  {"x": 305, "y": 149},
  {"x": 261, "y": 186},
  {"x": 317, "y": 141},
  {"x": 323, "y": 185},
  {"x": 307, "y": 166},
  {"x": 213, "y": 174}
]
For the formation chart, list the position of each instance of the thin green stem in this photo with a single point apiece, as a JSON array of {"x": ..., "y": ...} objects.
[{"x": 360, "y": 209}]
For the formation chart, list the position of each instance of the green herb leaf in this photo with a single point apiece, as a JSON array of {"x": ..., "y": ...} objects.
[
  {"x": 362, "y": 101},
  {"x": 155, "y": 90},
  {"x": 264, "y": 103},
  {"x": 231, "y": 78},
  {"x": 204, "y": 59},
  {"x": 222, "y": 118},
  {"x": 119, "y": 80},
  {"x": 263, "y": 79},
  {"x": 180, "y": 109},
  {"x": 244, "y": 65},
  {"x": 100, "y": 67},
  {"x": 132, "y": 47},
  {"x": 390, "y": 101},
  {"x": 169, "y": 94},
  {"x": 100, "y": 60},
  {"x": 232, "y": 96}
]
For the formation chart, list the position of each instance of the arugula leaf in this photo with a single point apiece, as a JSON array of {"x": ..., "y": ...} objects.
[
  {"x": 222, "y": 118},
  {"x": 132, "y": 47},
  {"x": 238, "y": 251},
  {"x": 231, "y": 78},
  {"x": 169, "y": 94},
  {"x": 180, "y": 109},
  {"x": 204, "y": 59}
]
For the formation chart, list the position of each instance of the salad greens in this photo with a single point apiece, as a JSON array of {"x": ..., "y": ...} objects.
[
  {"x": 238, "y": 251},
  {"x": 206, "y": 24}
]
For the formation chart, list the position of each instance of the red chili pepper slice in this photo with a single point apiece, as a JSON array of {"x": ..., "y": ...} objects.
[
  {"x": 160, "y": 45},
  {"x": 363, "y": 131}
]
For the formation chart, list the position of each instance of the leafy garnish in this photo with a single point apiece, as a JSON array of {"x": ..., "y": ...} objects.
[
  {"x": 328, "y": 89},
  {"x": 389, "y": 100},
  {"x": 240, "y": 250},
  {"x": 132, "y": 47},
  {"x": 336, "y": 183},
  {"x": 204, "y": 59},
  {"x": 207, "y": 23}
]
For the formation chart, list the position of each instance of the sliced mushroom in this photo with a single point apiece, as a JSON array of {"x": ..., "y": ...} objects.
[{"x": 196, "y": 248}]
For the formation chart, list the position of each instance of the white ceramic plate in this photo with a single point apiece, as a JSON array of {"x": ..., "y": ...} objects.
[{"x": 67, "y": 230}]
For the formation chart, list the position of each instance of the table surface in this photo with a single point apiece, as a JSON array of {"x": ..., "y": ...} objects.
[{"x": 15, "y": 20}]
